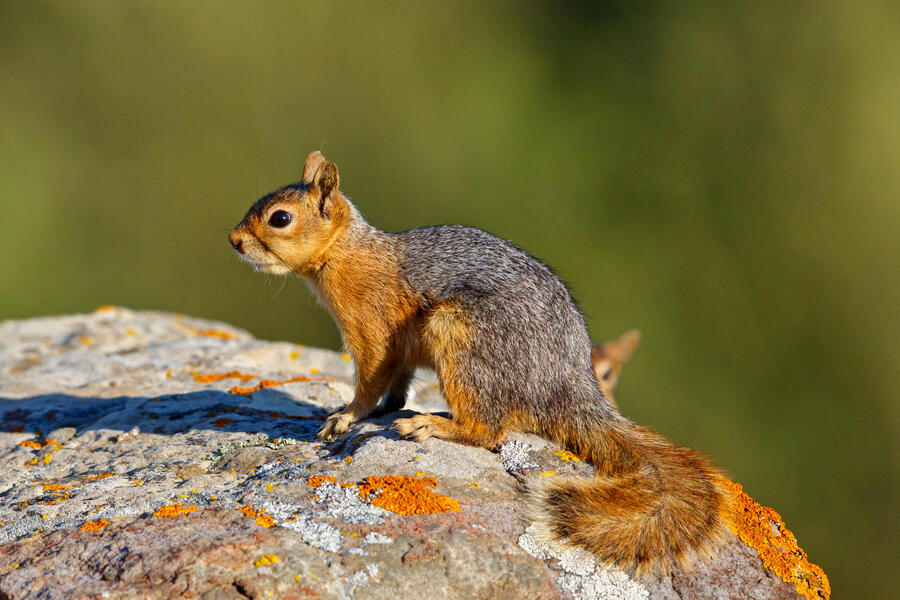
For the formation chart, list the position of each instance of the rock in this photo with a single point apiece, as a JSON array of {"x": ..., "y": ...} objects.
[{"x": 157, "y": 456}]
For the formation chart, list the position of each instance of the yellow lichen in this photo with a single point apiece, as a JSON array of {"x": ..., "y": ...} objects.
[
  {"x": 94, "y": 525},
  {"x": 174, "y": 510},
  {"x": 268, "y": 559},
  {"x": 568, "y": 456},
  {"x": 105, "y": 307},
  {"x": 761, "y": 528},
  {"x": 262, "y": 519},
  {"x": 346, "y": 357},
  {"x": 293, "y": 355}
]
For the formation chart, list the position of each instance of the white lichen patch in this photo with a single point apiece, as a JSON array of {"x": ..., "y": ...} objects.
[
  {"x": 581, "y": 576},
  {"x": 515, "y": 456},
  {"x": 377, "y": 538},
  {"x": 344, "y": 503},
  {"x": 315, "y": 533}
]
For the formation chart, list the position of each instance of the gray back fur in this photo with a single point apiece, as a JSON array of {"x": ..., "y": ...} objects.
[{"x": 531, "y": 348}]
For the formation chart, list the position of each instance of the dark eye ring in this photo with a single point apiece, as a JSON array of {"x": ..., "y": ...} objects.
[{"x": 279, "y": 219}]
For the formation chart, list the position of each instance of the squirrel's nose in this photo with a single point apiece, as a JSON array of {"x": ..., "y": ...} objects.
[{"x": 236, "y": 241}]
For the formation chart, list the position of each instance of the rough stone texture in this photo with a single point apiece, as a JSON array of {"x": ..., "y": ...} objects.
[{"x": 135, "y": 427}]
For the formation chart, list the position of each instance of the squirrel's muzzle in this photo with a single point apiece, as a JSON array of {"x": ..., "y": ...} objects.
[{"x": 236, "y": 241}]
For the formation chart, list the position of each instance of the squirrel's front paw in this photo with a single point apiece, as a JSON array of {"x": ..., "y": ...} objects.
[{"x": 335, "y": 425}]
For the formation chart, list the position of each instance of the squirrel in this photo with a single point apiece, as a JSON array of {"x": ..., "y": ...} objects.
[
  {"x": 607, "y": 360},
  {"x": 512, "y": 353}
]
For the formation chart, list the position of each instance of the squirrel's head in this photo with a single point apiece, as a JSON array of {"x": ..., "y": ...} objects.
[
  {"x": 291, "y": 229},
  {"x": 609, "y": 358}
]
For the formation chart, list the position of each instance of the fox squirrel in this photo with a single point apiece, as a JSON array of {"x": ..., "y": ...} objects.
[
  {"x": 608, "y": 358},
  {"x": 512, "y": 353}
]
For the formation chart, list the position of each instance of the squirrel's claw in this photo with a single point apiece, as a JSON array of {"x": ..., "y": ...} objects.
[{"x": 335, "y": 425}]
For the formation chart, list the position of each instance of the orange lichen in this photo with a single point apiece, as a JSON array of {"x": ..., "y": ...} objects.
[
  {"x": 174, "y": 510},
  {"x": 216, "y": 333},
  {"x": 210, "y": 377},
  {"x": 319, "y": 480},
  {"x": 262, "y": 519},
  {"x": 267, "y": 383},
  {"x": 38, "y": 445},
  {"x": 17, "y": 427},
  {"x": 406, "y": 495},
  {"x": 100, "y": 476},
  {"x": 222, "y": 422},
  {"x": 55, "y": 487},
  {"x": 761, "y": 528},
  {"x": 105, "y": 307},
  {"x": 94, "y": 525}
]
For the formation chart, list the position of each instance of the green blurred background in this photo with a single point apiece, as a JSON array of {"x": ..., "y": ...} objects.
[{"x": 724, "y": 178}]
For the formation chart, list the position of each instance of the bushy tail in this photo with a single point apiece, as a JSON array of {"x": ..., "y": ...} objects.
[{"x": 651, "y": 506}]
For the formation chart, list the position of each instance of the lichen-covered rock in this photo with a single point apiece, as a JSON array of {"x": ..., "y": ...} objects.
[{"x": 156, "y": 456}]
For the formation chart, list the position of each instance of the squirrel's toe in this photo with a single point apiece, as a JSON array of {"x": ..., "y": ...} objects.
[{"x": 335, "y": 425}]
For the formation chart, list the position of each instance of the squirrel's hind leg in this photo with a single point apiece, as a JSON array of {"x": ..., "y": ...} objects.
[
  {"x": 422, "y": 427},
  {"x": 447, "y": 336}
]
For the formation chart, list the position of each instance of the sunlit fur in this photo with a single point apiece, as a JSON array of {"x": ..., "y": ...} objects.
[{"x": 512, "y": 353}]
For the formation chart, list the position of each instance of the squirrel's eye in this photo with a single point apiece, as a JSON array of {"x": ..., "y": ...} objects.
[{"x": 279, "y": 219}]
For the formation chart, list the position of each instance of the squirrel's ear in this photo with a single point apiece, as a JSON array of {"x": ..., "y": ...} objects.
[
  {"x": 325, "y": 185},
  {"x": 622, "y": 348},
  {"x": 313, "y": 162}
]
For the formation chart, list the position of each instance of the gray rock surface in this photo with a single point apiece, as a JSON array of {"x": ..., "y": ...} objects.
[{"x": 106, "y": 419}]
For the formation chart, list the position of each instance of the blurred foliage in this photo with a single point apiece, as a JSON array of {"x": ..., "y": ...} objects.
[{"x": 723, "y": 177}]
